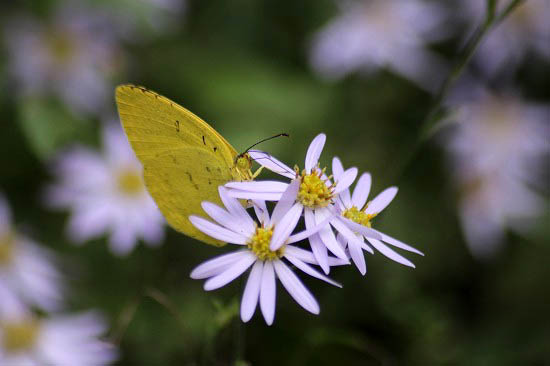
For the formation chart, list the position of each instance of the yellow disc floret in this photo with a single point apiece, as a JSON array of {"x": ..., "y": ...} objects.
[
  {"x": 314, "y": 192},
  {"x": 359, "y": 217},
  {"x": 259, "y": 245},
  {"x": 17, "y": 337},
  {"x": 130, "y": 182},
  {"x": 7, "y": 243}
]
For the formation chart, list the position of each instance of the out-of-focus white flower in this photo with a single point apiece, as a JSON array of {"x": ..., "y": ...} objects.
[
  {"x": 526, "y": 29},
  {"x": 71, "y": 56},
  {"x": 356, "y": 214},
  {"x": 26, "y": 340},
  {"x": 106, "y": 194},
  {"x": 237, "y": 227},
  {"x": 369, "y": 35},
  {"x": 26, "y": 270},
  {"x": 156, "y": 15},
  {"x": 496, "y": 156},
  {"x": 315, "y": 197}
]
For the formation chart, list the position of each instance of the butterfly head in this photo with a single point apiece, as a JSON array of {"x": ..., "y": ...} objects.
[{"x": 243, "y": 165}]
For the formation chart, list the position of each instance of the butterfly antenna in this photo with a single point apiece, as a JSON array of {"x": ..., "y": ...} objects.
[{"x": 264, "y": 140}]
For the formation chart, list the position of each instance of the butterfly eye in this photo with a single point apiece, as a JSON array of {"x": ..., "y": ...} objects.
[{"x": 244, "y": 162}]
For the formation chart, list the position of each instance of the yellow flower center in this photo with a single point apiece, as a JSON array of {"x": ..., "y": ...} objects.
[
  {"x": 259, "y": 245},
  {"x": 359, "y": 217},
  {"x": 313, "y": 191},
  {"x": 7, "y": 244},
  {"x": 130, "y": 182},
  {"x": 17, "y": 337}
]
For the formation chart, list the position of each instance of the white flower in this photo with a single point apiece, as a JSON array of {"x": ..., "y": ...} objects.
[
  {"x": 107, "y": 195},
  {"x": 369, "y": 35},
  {"x": 495, "y": 153},
  {"x": 237, "y": 227},
  {"x": 26, "y": 270},
  {"x": 525, "y": 29},
  {"x": 356, "y": 214},
  {"x": 26, "y": 340},
  {"x": 315, "y": 197},
  {"x": 72, "y": 56}
]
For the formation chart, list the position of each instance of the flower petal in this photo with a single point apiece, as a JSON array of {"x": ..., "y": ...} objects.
[
  {"x": 317, "y": 247},
  {"x": 361, "y": 191},
  {"x": 285, "y": 227},
  {"x": 269, "y": 162},
  {"x": 268, "y": 293},
  {"x": 310, "y": 230},
  {"x": 251, "y": 291},
  {"x": 295, "y": 288},
  {"x": 260, "y": 186},
  {"x": 217, "y": 265},
  {"x": 390, "y": 253},
  {"x": 343, "y": 228},
  {"x": 260, "y": 209},
  {"x": 337, "y": 168},
  {"x": 216, "y": 231},
  {"x": 254, "y": 195},
  {"x": 236, "y": 209},
  {"x": 357, "y": 256},
  {"x": 309, "y": 270},
  {"x": 286, "y": 202},
  {"x": 381, "y": 201},
  {"x": 327, "y": 235},
  {"x": 396, "y": 243},
  {"x": 224, "y": 218},
  {"x": 314, "y": 151},
  {"x": 234, "y": 271},
  {"x": 365, "y": 231},
  {"x": 346, "y": 180},
  {"x": 307, "y": 256}
]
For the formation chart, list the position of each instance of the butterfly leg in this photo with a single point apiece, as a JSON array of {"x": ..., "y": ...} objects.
[{"x": 257, "y": 172}]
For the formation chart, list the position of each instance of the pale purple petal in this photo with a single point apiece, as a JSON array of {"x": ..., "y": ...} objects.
[
  {"x": 269, "y": 162},
  {"x": 237, "y": 210},
  {"x": 344, "y": 196},
  {"x": 314, "y": 151},
  {"x": 225, "y": 219},
  {"x": 286, "y": 202},
  {"x": 390, "y": 253},
  {"x": 381, "y": 201},
  {"x": 285, "y": 227},
  {"x": 306, "y": 256},
  {"x": 295, "y": 288},
  {"x": 251, "y": 291},
  {"x": 216, "y": 231},
  {"x": 346, "y": 231},
  {"x": 346, "y": 180},
  {"x": 396, "y": 243},
  {"x": 261, "y": 186},
  {"x": 268, "y": 293},
  {"x": 310, "y": 230},
  {"x": 361, "y": 192},
  {"x": 337, "y": 168},
  {"x": 217, "y": 265},
  {"x": 351, "y": 225},
  {"x": 234, "y": 271},
  {"x": 327, "y": 235},
  {"x": 309, "y": 270},
  {"x": 357, "y": 256},
  {"x": 317, "y": 247},
  {"x": 261, "y": 211},
  {"x": 254, "y": 196}
]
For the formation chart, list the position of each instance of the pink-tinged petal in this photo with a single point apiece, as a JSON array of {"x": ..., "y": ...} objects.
[
  {"x": 217, "y": 265},
  {"x": 237, "y": 210},
  {"x": 361, "y": 192},
  {"x": 306, "y": 256},
  {"x": 314, "y": 151},
  {"x": 317, "y": 247},
  {"x": 269, "y": 162},
  {"x": 251, "y": 291},
  {"x": 216, "y": 231},
  {"x": 310, "y": 230},
  {"x": 285, "y": 227},
  {"x": 327, "y": 235},
  {"x": 337, "y": 168},
  {"x": 224, "y": 218},
  {"x": 254, "y": 196},
  {"x": 381, "y": 201},
  {"x": 346, "y": 231},
  {"x": 260, "y": 186},
  {"x": 365, "y": 231},
  {"x": 346, "y": 180},
  {"x": 268, "y": 293},
  {"x": 390, "y": 253},
  {"x": 234, "y": 271},
  {"x": 357, "y": 256},
  {"x": 309, "y": 270},
  {"x": 261, "y": 211},
  {"x": 396, "y": 243},
  {"x": 296, "y": 288},
  {"x": 286, "y": 202}
]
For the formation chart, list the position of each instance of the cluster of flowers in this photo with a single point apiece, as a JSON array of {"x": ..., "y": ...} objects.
[
  {"x": 338, "y": 227},
  {"x": 30, "y": 284}
]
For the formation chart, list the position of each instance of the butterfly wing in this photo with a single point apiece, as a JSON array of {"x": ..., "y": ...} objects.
[{"x": 184, "y": 159}]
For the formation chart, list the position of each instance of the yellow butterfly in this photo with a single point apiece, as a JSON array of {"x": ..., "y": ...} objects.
[{"x": 184, "y": 159}]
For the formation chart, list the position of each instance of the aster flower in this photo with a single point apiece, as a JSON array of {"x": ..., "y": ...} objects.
[
  {"x": 235, "y": 226},
  {"x": 356, "y": 214},
  {"x": 315, "y": 196},
  {"x": 106, "y": 194},
  {"x": 26, "y": 270},
  {"x": 60, "y": 340},
  {"x": 495, "y": 153},
  {"x": 369, "y": 35}
]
